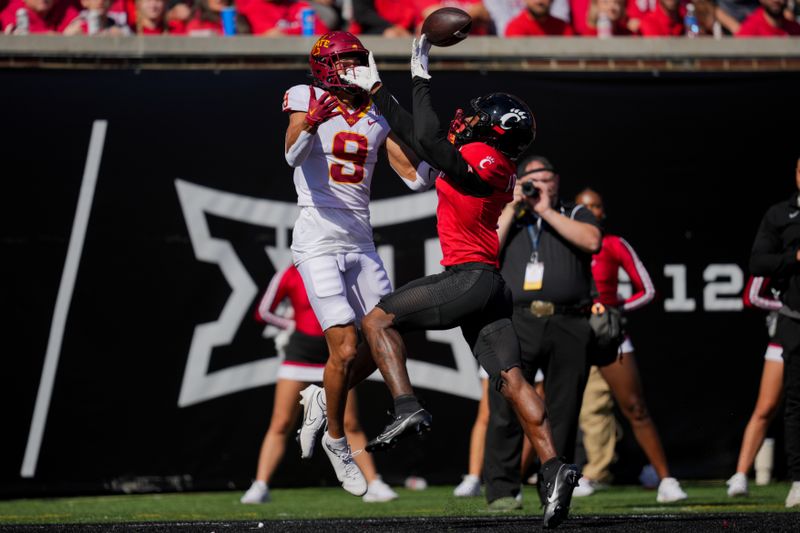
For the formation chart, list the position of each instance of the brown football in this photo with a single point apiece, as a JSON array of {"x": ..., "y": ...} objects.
[{"x": 447, "y": 26}]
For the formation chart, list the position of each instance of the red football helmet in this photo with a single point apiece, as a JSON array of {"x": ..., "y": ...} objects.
[{"x": 327, "y": 52}]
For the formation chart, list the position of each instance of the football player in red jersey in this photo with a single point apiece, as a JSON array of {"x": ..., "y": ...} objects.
[
  {"x": 476, "y": 160},
  {"x": 622, "y": 375}
]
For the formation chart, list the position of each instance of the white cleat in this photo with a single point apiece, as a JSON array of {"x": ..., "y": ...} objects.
[
  {"x": 378, "y": 491},
  {"x": 669, "y": 490},
  {"x": 257, "y": 493},
  {"x": 347, "y": 471},
  {"x": 315, "y": 414},
  {"x": 793, "y": 498},
  {"x": 469, "y": 487},
  {"x": 737, "y": 485}
]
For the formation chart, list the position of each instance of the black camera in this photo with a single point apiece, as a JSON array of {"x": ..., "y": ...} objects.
[{"x": 529, "y": 190}]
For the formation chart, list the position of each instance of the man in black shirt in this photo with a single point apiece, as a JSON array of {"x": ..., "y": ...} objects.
[
  {"x": 547, "y": 247},
  {"x": 776, "y": 253}
]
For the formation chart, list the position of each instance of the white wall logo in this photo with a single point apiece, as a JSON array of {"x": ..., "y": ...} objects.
[
  {"x": 200, "y": 384},
  {"x": 510, "y": 119}
]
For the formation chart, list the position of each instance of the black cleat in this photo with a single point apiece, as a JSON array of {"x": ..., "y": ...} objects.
[
  {"x": 558, "y": 495},
  {"x": 402, "y": 426}
]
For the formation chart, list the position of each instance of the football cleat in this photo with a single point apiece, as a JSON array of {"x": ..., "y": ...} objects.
[
  {"x": 315, "y": 413},
  {"x": 347, "y": 471},
  {"x": 558, "y": 495},
  {"x": 417, "y": 422}
]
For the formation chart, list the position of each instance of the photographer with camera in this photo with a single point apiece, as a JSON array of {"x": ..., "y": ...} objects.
[{"x": 547, "y": 246}]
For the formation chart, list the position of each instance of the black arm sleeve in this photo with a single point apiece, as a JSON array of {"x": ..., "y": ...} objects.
[
  {"x": 365, "y": 14},
  {"x": 433, "y": 140},
  {"x": 400, "y": 120}
]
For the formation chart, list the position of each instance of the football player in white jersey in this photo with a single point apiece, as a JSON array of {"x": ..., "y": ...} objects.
[{"x": 333, "y": 139}]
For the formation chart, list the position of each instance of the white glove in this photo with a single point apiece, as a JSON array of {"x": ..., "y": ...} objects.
[
  {"x": 419, "y": 57},
  {"x": 363, "y": 77}
]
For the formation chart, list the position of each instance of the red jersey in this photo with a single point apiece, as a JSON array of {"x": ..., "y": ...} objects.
[
  {"x": 525, "y": 24},
  {"x": 659, "y": 23},
  {"x": 174, "y": 27},
  {"x": 758, "y": 293},
  {"x": 59, "y": 16},
  {"x": 289, "y": 284},
  {"x": 402, "y": 14},
  {"x": 283, "y": 14},
  {"x": 757, "y": 25},
  {"x": 616, "y": 253},
  {"x": 467, "y": 225}
]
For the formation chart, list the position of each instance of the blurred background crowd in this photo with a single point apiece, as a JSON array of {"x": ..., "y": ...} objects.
[{"x": 393, "y": 18}]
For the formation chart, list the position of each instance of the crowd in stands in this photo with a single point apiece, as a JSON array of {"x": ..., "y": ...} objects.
[{"x": 402, "y": 18}]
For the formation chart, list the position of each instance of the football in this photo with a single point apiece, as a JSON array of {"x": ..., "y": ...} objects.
[{"x": 447, "y": 26}]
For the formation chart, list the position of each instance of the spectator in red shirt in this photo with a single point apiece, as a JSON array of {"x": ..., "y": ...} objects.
[
  {"x": 665, "y": 21},
  {"x": 384, "y": 17},
  {"x": 481, "y": 20},
  {"x": 44, "y": 16},
  {"x": 207, "y": 19},
  {"x": 107, "y": 23},
  {"x": 151, "y": 19},
  {"x": 536, "y": 20},
  {"x": 768, "y": 21},
  {"x": 614, "y": 10},
  {"x": 274, "y": 18}
]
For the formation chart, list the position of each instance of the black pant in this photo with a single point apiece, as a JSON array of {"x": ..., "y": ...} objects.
[
  {"x": 473, "y": 296},
  {"x": 559, "y": 345},
  {"x": 788, "y": 334}
]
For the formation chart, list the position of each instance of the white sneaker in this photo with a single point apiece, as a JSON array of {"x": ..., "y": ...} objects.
[
  {"x": 669, "y": 490},
  {"x": 793, "y": 499},
  {"x": 737, "y": 485},
  {"x": 586, "y": 487},
  {"x": 469, "y": 487},
  {"x": 257, "y": 493},
  {"x": 347, "y": 471},
  {"x": 378, "y": 491},
  {"x": 315, "y": 414}
]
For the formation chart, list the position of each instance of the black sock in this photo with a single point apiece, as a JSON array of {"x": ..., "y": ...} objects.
[
  {"x": 550, "y": 467},
  {"x": 406, "y": 404}
]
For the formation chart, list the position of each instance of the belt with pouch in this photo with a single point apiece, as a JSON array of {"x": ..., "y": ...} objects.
[{"x": 540, "y": 309}]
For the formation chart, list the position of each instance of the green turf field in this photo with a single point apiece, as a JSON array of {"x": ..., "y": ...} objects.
[{"x": 704, "y": 497}]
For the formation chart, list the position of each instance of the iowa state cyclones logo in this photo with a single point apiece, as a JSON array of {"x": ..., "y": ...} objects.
[{"x": 198, "y": 203}]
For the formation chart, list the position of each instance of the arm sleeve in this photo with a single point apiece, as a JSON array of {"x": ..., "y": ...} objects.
[
  {"x": 276, "y": 291},
  {"x": 644, "y": 292},
  {"x": 443, "y": 155},
  {"x": 368, "y": 18},
  {"x": 767, "y": 257}
]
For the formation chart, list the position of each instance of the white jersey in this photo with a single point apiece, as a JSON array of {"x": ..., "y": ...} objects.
[{"x": 333, "y": 184}]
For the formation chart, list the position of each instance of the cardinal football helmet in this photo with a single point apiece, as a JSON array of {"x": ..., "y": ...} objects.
[
  {"x": 326, "y": 54},
  {"x": 504, "y": 121}
]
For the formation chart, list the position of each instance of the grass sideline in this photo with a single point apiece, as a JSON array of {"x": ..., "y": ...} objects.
[{"x": 328, "y": 503}]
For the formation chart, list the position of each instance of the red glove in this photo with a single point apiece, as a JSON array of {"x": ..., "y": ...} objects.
[{"x": 321, "y": 109}]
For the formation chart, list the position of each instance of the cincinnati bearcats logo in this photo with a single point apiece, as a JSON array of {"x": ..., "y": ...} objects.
[
  {"x": 485, "y": 162},
  {"x": 512, "y": 118}
]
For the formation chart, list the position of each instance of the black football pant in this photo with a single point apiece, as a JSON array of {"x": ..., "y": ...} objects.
[
  {"x": 559, "y": 345},
  {"x": 788, "y": 335}
]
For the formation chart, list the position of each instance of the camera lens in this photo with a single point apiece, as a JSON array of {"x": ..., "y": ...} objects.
[{"x": 529, "y": 190}]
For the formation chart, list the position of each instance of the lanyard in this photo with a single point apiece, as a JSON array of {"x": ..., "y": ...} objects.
[{"x": 534, "y": 235}]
